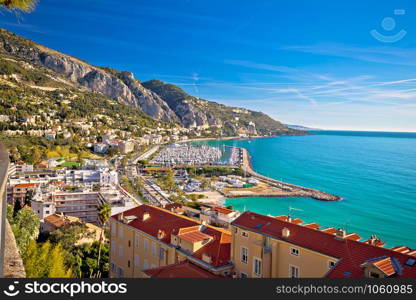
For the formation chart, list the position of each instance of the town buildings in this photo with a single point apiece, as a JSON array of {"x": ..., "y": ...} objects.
[
  {"x": 148, "y": 237},
  {"x": 18, "y": 192},
  {"x": 81, "y": 204},
  {"x": 151, "y": 242},
  {"x": 126, "y": 147},
  {"x": 218, "y": 216},
  {"x": 264, "y": 247},
  {"x": 55, "y": 221},
  {"x": 100, "y": 148}
]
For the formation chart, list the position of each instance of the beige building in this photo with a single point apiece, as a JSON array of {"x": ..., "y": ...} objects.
[
  {"x": 56, "y": 221},
  {"x": 126, "y": 147},
  {"x": 18, "y": 192},
  {"x": 148, "y": 241},
  {"x": 274, "y": 247},
  {"x": 147, "y": 237}
]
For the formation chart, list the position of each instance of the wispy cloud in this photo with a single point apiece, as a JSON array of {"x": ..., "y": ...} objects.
[
  {"x": 260, "y": 66},
  {"x": 385, "y": 55}
]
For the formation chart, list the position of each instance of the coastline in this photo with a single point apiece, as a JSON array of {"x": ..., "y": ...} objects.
[
  {"x": 227, "y": 138},
  {"x": 275, "y": 188},
  {"x": 220, "y": 139},
  {"x": 293, "y": 190}
]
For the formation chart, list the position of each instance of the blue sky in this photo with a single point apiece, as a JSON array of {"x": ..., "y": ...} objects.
[{"x": 313, "y": 63}]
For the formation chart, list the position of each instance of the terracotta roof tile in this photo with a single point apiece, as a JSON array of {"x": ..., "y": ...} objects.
[
  {"x": 351, "y": 254},
  {"x": 223, "y": 210},
  {"x": 312, "y": 225},
  {"x": 23, "y": 185},
  {"x": 219, "y": 249},
  {"x": 384, "y": 264},
  {"x": 195, "y": 236},
  {"x": 182, "y": 269}
]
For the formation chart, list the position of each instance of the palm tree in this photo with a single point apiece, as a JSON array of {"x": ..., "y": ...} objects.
[
  {"x": 23, "y": 5},
  {"x": 104, "y": 212}
]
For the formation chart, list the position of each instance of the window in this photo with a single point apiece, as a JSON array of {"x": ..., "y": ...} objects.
[
  {"x": 146, "y": 245},
  {"x": 161, "y": 253},
  {"x": 128, "y": 264},
  {"x": 113, "y": 229},
  {"x": 145, "y": 264},
  {"x": 373, "y": 275},
  {"x": 154, "y": 253},
  {"x": 235, "y": 229},
  {"x": 112, "y": 267},
  {"x": 120, "y": 272},
  {"x": 331, "y": 264},
  {"x": 244, "y": 233},
  {"x": 243, "y": 275},
  {"x": 293, "y": 271},
  {"x": 257, "y": 266},
  {"x": 294, "y": 251},
  {"x": 129, "y": 244},
  {"x": 120, "y": 232},
  {"x": 244, "y": 255},
  {"x": 152, "y": 266},
  {"x": 120, "y": 250},
  {"x": 136, "y": 240},
  {"x": 136, "y": 260}
]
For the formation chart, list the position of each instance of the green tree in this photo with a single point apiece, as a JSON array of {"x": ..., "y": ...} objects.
[
  {"x": 104, "y": 212},
  {"x": 168, "y": 182},
  {"x": 23, "y": 5},
  {"x": 17, "y": 207},
  {"x": 25, "y": 227},
  {"x": 69, "y": 236},
  {"x": 46, "y": 261},
  {"x": 28, "y": 198},
  {"x": 36, "y": 155}
]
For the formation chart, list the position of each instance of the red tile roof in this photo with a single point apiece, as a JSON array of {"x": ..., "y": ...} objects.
[
  {"x": 23, "y": 185},
  {"x": 219, "y": 248},
  {"x": 59, "y": 221},
  {"x": 353, "y": 236},
  {"x": 312, "y": 225},
  {"x": 385, "y": 265},
  {"x": 182, "y": 269},
  {"x": 159, "y": 219},
  {"x": 223, "y": 210},
  {"x": 352, "y": 254},
  {"x": 195, "y": 236}
]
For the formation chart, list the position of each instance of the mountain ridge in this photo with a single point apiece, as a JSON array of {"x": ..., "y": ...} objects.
[{"x": 162, "y": 101}]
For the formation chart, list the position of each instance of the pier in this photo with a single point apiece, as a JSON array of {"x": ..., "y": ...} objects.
[{"x": 288, "y": 189}]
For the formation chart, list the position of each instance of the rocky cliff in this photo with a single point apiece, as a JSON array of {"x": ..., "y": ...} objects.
[{"x": 162, "y": 101}]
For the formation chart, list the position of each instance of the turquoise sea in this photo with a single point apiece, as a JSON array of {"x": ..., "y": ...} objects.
[{"x": 375, "y": 173}]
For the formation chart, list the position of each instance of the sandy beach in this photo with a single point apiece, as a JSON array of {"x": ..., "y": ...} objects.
[{"x": 211, "y": 197}]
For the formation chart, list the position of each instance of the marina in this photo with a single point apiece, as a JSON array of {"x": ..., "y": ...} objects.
[{"x": 188, "y": 155}]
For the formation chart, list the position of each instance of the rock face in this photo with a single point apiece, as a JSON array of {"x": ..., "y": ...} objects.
[
  {"x": 162, "y": 101},
  {"x": 123, "y": 88}
]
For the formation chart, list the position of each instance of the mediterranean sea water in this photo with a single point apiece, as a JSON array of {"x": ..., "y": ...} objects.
[{"x": 375, "y": 173}]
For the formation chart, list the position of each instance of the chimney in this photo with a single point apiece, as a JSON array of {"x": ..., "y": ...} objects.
[
  {"x": 285, "y": 232},
  {"x": 340, "y": 233},
  {"x": 161, "y": 234},
  {"x": 206, "y": 258},
  {"x": 146, "y": 215},
  {"x": 375, "y": 241}
]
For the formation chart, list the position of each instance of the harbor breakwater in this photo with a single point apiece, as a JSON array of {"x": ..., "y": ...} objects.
[{"x": 292, "y": 190}]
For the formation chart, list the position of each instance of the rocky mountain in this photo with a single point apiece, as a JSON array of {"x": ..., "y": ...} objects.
[
  {"x": 160, "y": 100},
  {"x": 302, "y": 128},
  {"x": 123, "y": 88}
]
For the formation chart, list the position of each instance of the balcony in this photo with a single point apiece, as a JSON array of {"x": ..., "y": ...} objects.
[{"x": 11, "y": 264}]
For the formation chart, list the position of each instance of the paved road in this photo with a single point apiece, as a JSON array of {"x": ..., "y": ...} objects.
[{"x": 146, "y": 154}]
